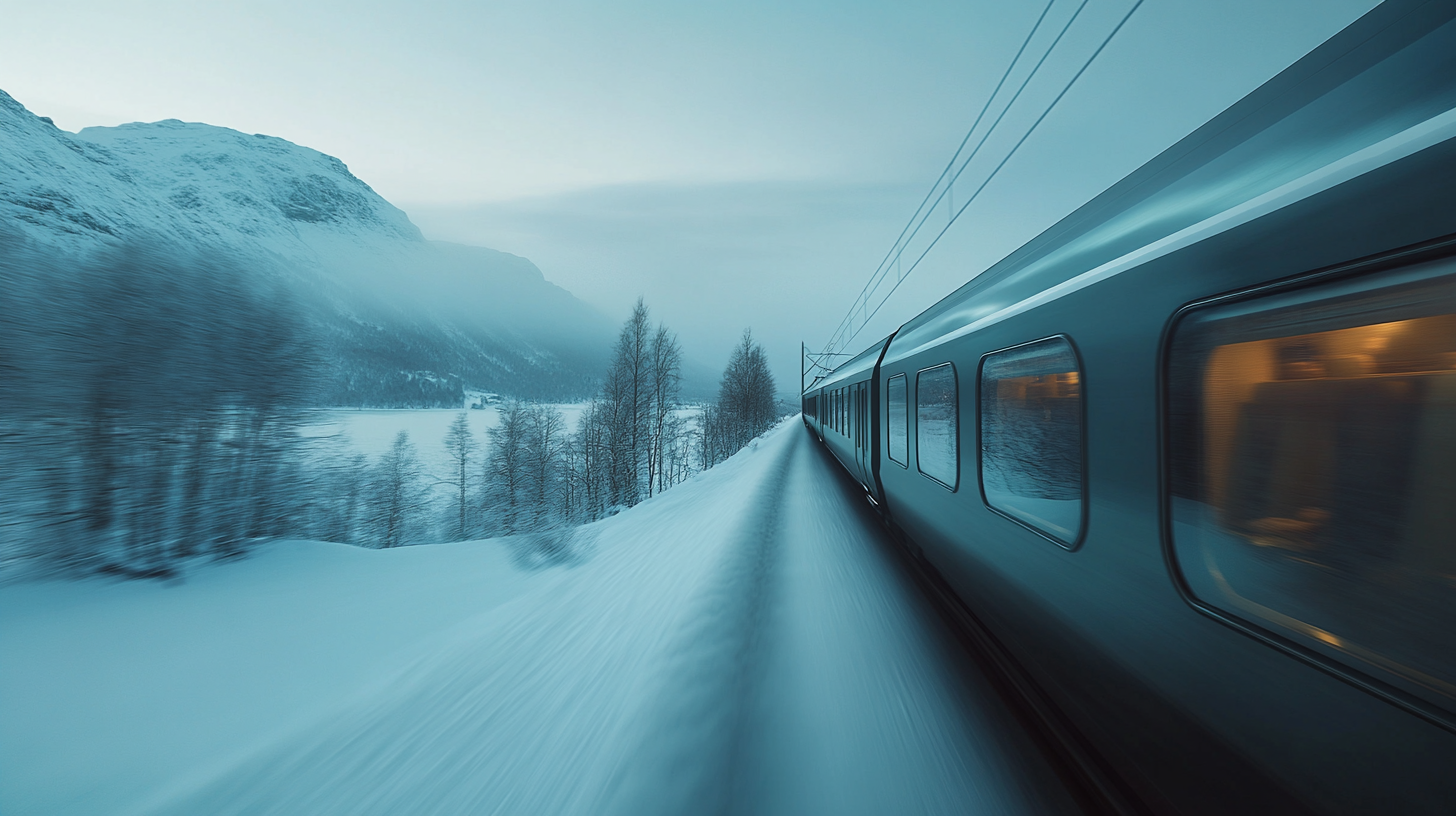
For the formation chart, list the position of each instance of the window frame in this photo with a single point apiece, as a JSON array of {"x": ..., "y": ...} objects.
[
  {"x": 956, "y": 416},
  {"x": 1084, "y": 519},
  {"x": 905, "y": 409},
  {"x": 1366, "y": 273}
]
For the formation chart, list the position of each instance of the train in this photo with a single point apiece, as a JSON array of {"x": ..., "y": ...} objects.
[{"x": 1187, "y": 459}]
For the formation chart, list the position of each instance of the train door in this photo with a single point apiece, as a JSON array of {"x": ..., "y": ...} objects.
[{"x": 861, "y": 433}]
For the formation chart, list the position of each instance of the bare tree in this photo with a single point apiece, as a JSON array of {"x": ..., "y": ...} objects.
[
  {"x": 398, "y": 493},
  {"x": 503, "y": 487},
  {"x": 665, "y": 376},
  {"x": 339, "y": 490},
  {"x": 592, "y": 456},
  {"x": 461, "y": 445},
  {"x": 626, "y": 402},
  {"x": 542, "y": 458},
  {"x": 176, "y": 389},
  {"x": 745, "y": 406}
]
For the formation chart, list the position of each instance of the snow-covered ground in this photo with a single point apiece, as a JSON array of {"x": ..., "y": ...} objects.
[{"x": 741, "y": 643}]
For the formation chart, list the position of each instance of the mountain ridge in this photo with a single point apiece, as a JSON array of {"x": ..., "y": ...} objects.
[{"x": 389, "y": 306}]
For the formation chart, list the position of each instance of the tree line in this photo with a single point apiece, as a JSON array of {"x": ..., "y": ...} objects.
[
  {"x": 535, "y": 476},
  {"x": 153, "y": 406},
  {"x": 149, "y": 408}
]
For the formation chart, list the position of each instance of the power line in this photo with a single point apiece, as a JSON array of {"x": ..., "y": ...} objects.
[
  {"x": 861, "y": 304},
  {"x": 987, "y": 135},
  {"x": 1011, "y": 66}
]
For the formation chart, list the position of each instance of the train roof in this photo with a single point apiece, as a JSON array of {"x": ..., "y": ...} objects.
[
  {"x": 847, "y": 371},
  {"x": 1386, "y": 73}
]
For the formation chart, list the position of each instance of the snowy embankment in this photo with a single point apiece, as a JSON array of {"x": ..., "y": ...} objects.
[{"x": 738, "y": 644}]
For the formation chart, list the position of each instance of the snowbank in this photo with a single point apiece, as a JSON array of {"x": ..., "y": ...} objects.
[
  {"x": 109, "y": 689},
  {"x": 741, "y": 643}
]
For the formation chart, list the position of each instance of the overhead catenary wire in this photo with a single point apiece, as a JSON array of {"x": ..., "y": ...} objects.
[
  {"x": 892, "y": 254},
  {"x": 861, "y": 304},
  {"x": 951, "y": 213}
]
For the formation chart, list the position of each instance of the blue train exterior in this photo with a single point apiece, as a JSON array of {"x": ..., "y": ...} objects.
[{"x": 1190, "y": 455}]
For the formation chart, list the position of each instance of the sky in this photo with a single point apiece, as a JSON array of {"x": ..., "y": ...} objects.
[{"x": 738, "y": 164}]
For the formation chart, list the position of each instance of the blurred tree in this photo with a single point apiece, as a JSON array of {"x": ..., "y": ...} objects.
[
  {"x": 398, "y": 493},
  {"x": 460, "y": 444}
]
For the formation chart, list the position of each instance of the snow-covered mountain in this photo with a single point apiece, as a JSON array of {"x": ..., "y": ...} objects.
[{"x": 402, "y": 320}]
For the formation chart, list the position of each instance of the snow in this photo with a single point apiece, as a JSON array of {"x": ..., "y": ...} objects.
[
  {"x": 743, "y": 642},
  {"x": 372, "y": 431},
  {"x": 182, "y": 181},
  {"x": 292, "y": 214},
  {"x": 108, "y": 689}
]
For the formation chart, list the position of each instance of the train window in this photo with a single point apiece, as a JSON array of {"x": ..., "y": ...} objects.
[
  {"x": 897, "y": 420},
  {"x": 859, "y": 417},
  {"x": 862, "y": 426},
  {"x": 937, "y": 447},
  {"x": 1312, "y": 443},
  {"x": 1031, "y": 436}
]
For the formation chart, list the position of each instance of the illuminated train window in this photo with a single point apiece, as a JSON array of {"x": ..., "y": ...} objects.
[
  {"x": 897, "y": 421},
  {"x": 1312, "y": 442},
  {"x": 937, "y": 446},
  {"x": 1031, "y": 436}
]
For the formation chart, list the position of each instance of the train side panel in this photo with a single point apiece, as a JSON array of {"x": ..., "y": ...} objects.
[{"x": 1204, "y": 718}]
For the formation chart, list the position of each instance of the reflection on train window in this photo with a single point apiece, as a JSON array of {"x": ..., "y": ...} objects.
[
  {"x": 937, "y": 451},
  {"x": 1314, "y": 471},
  {"x": 897, "y": 420},
  {"x": 1031, "y": 436}
]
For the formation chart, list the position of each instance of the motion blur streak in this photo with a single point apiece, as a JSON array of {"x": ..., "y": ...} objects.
[{"x": 768, "y": 658}]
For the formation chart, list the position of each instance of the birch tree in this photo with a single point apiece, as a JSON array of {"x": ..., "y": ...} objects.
[
  {"x": 665, "y": 377},
  {"x": 461, "y": 445}
]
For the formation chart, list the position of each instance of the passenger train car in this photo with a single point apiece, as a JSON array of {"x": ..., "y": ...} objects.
[{"x": 1189, "y": 456}]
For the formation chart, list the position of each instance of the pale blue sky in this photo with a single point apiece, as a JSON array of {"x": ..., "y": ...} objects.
[{"x": 743, "y": 163}]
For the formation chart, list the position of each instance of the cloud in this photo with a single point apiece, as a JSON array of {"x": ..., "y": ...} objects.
[{"x": 783, "y": 258}]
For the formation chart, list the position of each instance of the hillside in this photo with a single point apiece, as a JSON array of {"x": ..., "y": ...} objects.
[{"x": 400, "y": 321}]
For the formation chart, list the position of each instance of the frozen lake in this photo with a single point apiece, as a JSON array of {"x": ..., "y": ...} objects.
[{"x": 372, "y": 431}]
